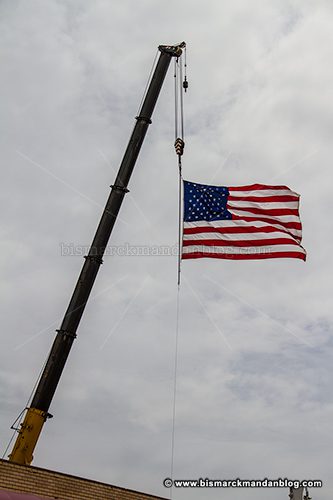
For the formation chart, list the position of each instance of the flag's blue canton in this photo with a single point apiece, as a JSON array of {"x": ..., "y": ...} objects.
[{"x": 202, "y": 202}]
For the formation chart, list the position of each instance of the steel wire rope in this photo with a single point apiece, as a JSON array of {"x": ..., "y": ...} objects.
[
  {"x": 19, "y": 418},
  {"x": 148, "y": 82},
  {"x": 179, "y": 128}
]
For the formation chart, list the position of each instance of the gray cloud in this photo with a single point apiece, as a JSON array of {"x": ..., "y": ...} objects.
[{"x": 257, "y": 110}]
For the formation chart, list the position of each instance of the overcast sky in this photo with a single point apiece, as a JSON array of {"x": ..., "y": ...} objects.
[{"x": 254, "y": 384}]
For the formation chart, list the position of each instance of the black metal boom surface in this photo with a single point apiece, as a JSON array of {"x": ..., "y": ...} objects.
[{"x": 67, "y": 332}]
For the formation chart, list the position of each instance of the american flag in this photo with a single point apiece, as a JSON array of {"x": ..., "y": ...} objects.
[{"x": 244, "y": 222}]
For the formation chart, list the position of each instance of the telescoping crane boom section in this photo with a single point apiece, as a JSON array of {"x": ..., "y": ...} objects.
[{"x": 38, "y": 412}]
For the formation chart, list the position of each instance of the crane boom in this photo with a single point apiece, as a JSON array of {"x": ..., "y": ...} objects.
[{"x": 37, "y": 413}]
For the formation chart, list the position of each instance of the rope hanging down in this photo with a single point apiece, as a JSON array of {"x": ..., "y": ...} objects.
[{"x": 180, "y": 87}]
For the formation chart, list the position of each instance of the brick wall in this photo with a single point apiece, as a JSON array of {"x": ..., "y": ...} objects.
[{"x": 56, "y": 485}]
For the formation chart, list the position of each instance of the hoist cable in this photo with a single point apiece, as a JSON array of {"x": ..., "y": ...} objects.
[
  {"x": 181, "y": 101},
  {"x": 148, "y": 82},
  {"x": 179, "y": 146},
  {"x": 176, "y": 97}
]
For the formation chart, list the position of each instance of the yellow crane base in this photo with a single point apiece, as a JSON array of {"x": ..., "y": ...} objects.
[{"x": 28, "y": 435}]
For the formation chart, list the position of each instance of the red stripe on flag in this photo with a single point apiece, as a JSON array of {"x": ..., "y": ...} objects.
[
  {"x": 240, "y": 243},
  {"x": 265, "y": 199},
  {"x": 291, "y": 225},
  {"x": 255, "y": 187},
  {"x": 198, "y": 255},
  {"x": 233, "y": 229},
  {"x": 262, "y": 211}
]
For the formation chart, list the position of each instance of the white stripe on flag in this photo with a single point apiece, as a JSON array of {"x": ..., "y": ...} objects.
[
  {"x": 278, "y": 218},
  {"x": 262, "y": 192},
  {"x": 241, "y": 224},
  {"x": 263, "y": 205},
  {"x": 237, "y": 236}
]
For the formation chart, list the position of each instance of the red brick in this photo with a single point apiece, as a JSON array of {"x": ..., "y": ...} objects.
[{"x": 28, "y": 479}]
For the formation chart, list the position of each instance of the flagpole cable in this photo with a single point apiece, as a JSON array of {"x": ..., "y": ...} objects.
[
  {"x": 174, "y": 393},
  {"x": 180, "y": 222},
  {"x": 180, "y": 87}
]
